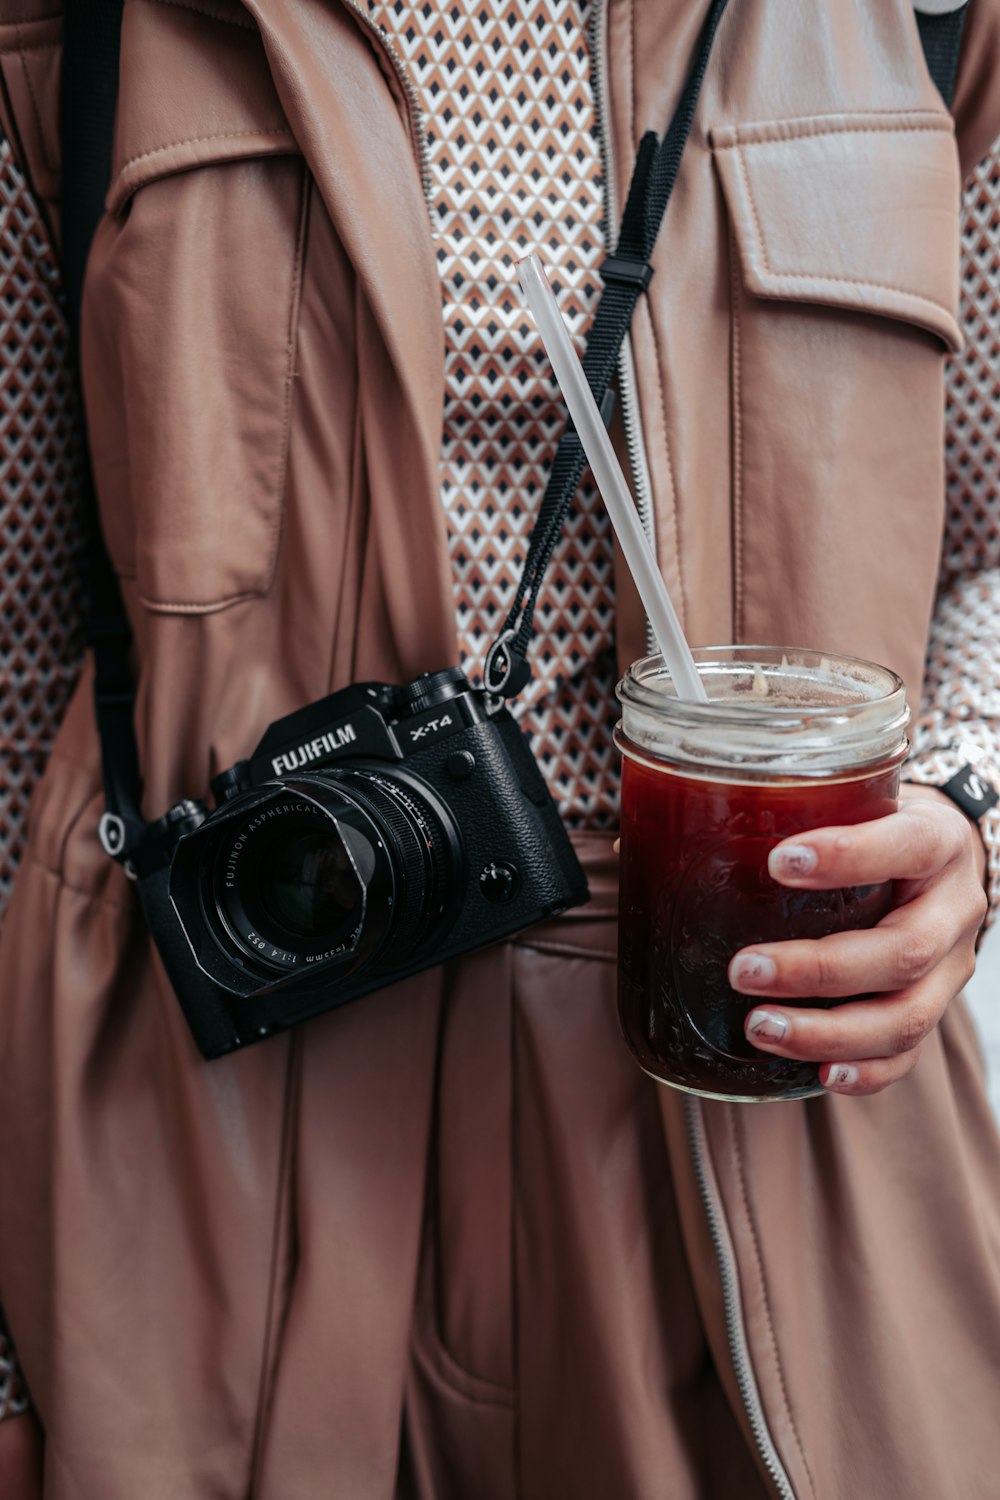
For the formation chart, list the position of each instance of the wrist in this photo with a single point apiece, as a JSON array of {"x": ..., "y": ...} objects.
[
  {"x": 913, "y": 789},
  {"x": 971, "y": 757}
]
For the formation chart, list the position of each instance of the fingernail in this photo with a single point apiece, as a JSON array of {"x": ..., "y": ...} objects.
[
  {"x": 751, "y": 971},
  {"x": 792, "y": 859},
  {"x": 843, "y": 1076},
  {"x": 767, "y": 1025}
]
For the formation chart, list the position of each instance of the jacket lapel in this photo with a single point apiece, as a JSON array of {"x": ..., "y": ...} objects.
[{"x": 345, "y": 120}]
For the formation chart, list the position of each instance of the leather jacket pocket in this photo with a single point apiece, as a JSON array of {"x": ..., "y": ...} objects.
[
  {"x": 853, "y": 211},
  {"x": 844, "y": 297},
  {"x": 190, "y": 310}
]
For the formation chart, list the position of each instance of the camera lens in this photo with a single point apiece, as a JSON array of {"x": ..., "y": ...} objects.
[
  {"x": 309, "y": 886},
  {"x": 333, "y": 869},
  {"x": 289, "y": 881}
]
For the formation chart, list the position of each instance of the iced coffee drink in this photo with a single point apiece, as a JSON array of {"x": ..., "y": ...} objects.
[{"x": 788, "y": 741}]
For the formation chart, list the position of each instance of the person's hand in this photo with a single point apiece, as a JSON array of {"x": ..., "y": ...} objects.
[
  {"x": 907, "y": 969},
  {"x": 21, "y": 1458}
]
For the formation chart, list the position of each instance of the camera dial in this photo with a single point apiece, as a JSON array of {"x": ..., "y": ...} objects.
[{"x": 432, "y": 688}]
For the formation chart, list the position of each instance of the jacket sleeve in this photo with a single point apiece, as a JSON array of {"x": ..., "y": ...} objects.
[
  {"x": 30, "y": 60},
  {"x": 976, "y": 105},
  {"x": 959, "y": 723}
]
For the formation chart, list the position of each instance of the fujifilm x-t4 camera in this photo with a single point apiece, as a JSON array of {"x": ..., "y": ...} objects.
[{"x": 370, "y": 835}]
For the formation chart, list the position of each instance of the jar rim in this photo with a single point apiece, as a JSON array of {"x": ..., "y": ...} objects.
[{"x": 852, "y": 712}]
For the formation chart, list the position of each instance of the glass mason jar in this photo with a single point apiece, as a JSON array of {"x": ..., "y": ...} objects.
[{"x": 789, "y": 740}]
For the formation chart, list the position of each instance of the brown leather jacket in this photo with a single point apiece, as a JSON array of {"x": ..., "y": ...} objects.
[{"x": 264, "y": 374}]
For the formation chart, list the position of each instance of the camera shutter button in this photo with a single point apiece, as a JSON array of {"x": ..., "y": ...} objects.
[{"x": 499, "y": 882}]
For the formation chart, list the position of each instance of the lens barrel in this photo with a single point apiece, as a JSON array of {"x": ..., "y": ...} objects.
[{"x": 328, "y": 869}]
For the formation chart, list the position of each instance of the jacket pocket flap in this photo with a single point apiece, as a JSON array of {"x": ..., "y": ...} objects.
[
  {"x": 854, "y": 211},
  {"x": 197, "y": 90}
]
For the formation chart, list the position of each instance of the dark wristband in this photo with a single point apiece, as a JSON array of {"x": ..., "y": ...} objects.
[{"x": 970, "y": 790}]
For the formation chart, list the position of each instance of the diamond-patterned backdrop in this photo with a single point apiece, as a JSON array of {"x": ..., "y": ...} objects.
[
  {"x": 514, "y": 164},
  {"x": 40, "y": 539},
  {"x": 972, "y": 536}
]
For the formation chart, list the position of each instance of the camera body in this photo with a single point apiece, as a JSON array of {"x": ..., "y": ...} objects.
[{"x": 371, "y": 835}]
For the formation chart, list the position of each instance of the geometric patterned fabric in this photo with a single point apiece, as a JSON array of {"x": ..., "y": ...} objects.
[
  {"x": 14, "y": 1398},
  {"x": 960, "y": 720},
  {"x": 972, "y": 532},
  {"x": 40, "y": 533},
  {"x": 513, "y": 164}
]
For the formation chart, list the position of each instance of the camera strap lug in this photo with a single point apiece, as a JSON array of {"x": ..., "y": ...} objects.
[
  {"x": 111, "y": 832},
  {"x": 112, "y": 835},
  {"x": 506, "y": 671}
]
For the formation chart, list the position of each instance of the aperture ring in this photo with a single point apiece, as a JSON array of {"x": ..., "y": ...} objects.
[{"x": 411, "y": 852}]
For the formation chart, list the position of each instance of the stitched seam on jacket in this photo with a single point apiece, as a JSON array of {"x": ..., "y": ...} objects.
[
  {"x": 443, "y": 1365},
  {"x": 631, "y": 84},
  {"x": 291, "y": 350},
  {"x": 198, "y": 140},
  {"x": 736, "y": 288},
  {"x": 177, "y": 606},
  {"x": 736, "y": 1128},
  {"x": 32, "y": 21},
  {"x": 274, "y": 1335},
  {"x": 182, "y": 607},
  {"x": 803, "y": 130},
  {"x": 430, "y": 1340},
  {"x": 675, "y": 524},
  {"x": 210, "y": 15},
  {"x": 21, "y": 50},
  {"x": 570, "y": 950},
  {"x": 30, "y": 858},
  {"x": 875, "y": 286},
  {"x": 33, "y": 99}
]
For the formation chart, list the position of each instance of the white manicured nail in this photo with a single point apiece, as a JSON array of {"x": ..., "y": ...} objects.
[
  {"x": 751, "y": 971},
  {"x": 843, "y": 1076},
  {"x": 792, "y": 860},
  {"x": 767, "y": 1025}
]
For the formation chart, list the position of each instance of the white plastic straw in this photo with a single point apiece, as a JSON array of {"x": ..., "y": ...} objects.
[{"x": 607, "y": 472}]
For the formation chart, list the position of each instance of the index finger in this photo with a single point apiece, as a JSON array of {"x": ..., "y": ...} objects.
[{"x": 914, "y": 843}]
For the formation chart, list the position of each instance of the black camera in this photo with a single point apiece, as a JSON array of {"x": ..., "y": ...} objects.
[{"x": 370, "y": 835}]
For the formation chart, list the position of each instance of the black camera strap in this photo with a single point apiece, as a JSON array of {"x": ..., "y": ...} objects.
[
  {"x": 87, "y": 101},
  {"x": 626, "y": 275}
]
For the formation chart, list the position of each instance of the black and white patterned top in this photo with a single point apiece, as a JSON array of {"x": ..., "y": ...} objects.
[{"x": 514, "y": 165}]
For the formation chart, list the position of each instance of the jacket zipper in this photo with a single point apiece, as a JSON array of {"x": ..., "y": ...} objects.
[
  {"x": 738, "y": 1348},
  {"x": 414, "y": 114},
  {"x": 642, "y": 489},
  {"x": 628, "y": 396}
]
